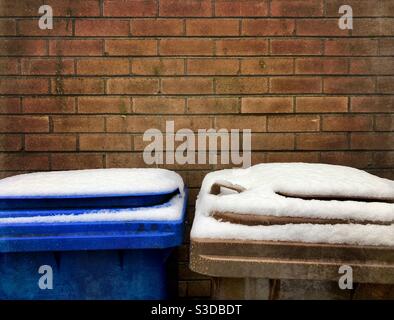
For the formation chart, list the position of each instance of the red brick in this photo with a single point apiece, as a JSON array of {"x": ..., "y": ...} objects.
[
  {"x": 386, "y": 84},
  {"x": 9, "y": 66},
  {"x": 131, "y": 47},
  {"x": 76, "y": 161},
  {"x": 372, "y": 141},
  {"x": 321, "y": 66},
  {"x": 187, "y": 85},
  {"x": 351, "y": 47},
  {"x": 105, "y": 142},
  {"x": 212, "y": 105},
  {"x": 212, "y": 27},
  {"x": 242, "y": 122},
  {"x": 241, "y": 8},
  {"x": 158, "y": 105},
  {"x": 72, "y": 8},
  {"x": 134, "y": 124},
  {"x": 348, "y": 158},
  {"x": 371, "y": 65},
  {"x": 347, "y": 123},
  {"x": 132, "y": 86},
  {"x": 52, "y": 142},
  {"x": 157, "y": 27},
  {"x": 372, "y": 104},
  {"x": 241, "y": 85},
  {"x": 267, "y": 105},
  {"x": 19, "y": 8},
  {"x": 384, "y": 123},
  {"x": 267, "y": 66},
  {"x": 9, "y": 105},
  {"x": 102, "y": 27},
  {"x": 320, "y": 141},
  {"x": 273, "y": 141},
  {"x": 373, "y": 27},
  {"x": 268, "y": 27},
  {"x": 386, "y": 47},
  {"x": 321, "y": 104},
  {"x": 47, "y": 66},
  {"x": 24, "y": 124},
  {"x": 23, "y": 86},
  {"x": 104, "y": 105},
  {"x": 77, "y": 86},
  {"x": 7, "y": 27},
  {"x": 121, "y": 160},
  {"x": 10, "y": 142},
  {"x": 158, "y": 66},
  {"x": 293, "y": 123},
  {"x": 296, "y": 47},
  {"x": 78, "y": 124},
  {"x": 297, "y": 8},
  {"x": 295, "y": 85},
  {"x": 24, "y": 162},
  {"x": 61, "y": 27},
  {"x": 362, "y": 8},
  {"x": 191, "y": 122},
  {"x": 320, "y": 27},
  {"x": 214, "y": 66},
  {"x": 384, "y": 159},
  {"x": 25, "y": 47},
  {"x": 48, "y": 105},
  {"x": 349, "y": 85},
  {"x": 189, "y": 47},
  {"x": 242, "y": 47},
  {"x": 181, "y": 8},
  {"x": 309, "y": 157},
  {"x": 107, "y": 66},
  {"x": 130, "y": 8},
  {"x": 75, "y": 47}
]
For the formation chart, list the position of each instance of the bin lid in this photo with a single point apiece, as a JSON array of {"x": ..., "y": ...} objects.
[{"x": 93, "y": 188}]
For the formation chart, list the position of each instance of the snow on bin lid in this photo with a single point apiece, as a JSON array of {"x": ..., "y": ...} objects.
[
  {"x": 90, "y": 183},
  {"x": 298, "y": 190}
]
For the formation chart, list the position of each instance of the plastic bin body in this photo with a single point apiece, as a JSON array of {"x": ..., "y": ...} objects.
[{"x": 95, "y": 260}]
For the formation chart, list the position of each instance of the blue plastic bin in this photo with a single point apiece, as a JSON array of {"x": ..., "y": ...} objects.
[{"x": 89, "y": 260}]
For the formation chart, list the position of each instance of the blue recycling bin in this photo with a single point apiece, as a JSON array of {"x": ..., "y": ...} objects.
[{"x": 105, "y": 260}]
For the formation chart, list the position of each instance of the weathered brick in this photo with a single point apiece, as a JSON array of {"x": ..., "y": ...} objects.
[
  {"x": 77, "y": 86},
  {"x": 293, "y": 123},
  {"x": 51, "y": 142},
  {"x": 24, "y": 162},
  {"x": 386, "y": 84},
  {"x": 255, "y": 66},
  {"x": 47, "y": 66},
  {"x": 321, "y": 66},
  {"x": 268, "y": 27},
  {"x": 157, "y": 27},
  {"x": 158, "y": 66},
  {"x": 130, "y": 8},
  {"x": 309, "y": 157},
  {"x": 48, "y": 105},
  {"x": 241, "y": 85},
  {"x": 122, "y": 160},
  {"x": 108, "y": 66},
  {"x": 187, "y": 85},
  {"x": 210, "y": 66},
  {"x": 78, "y": 124},
  {"x": 362, "y": 8},
  {"x": 372, "y": 104},
  {"x": 295, "y": 85},
  {"x": 23, "y": 86},
  {"x": 242, "y": 47},
  {"x": 297, "y": 8},
  {"x": 242, "y": 122},
  {"x": 7, "y": 27},
  {"x": 9, "y": 66},
  {"x": 187, "y": 47},
  {"x": 321, "y": 141},
  {"x": 25, "y": 47},
  {"x": 105, "y": 142},
  {"x": 134, "y": 124},
  {"x": 267, "y": 105},
  {"x": 351, "y": 47},
  {"x": 386, "y": 47},
  {"x": 384, "y": 123},
  {"x": 104, "y": 105},
  {"x": 76, "y": 161},
  {"x": 349, "y": 85},
  {"x": 158, "y": 105},
  {"x": 10, "y": 142},
  {"x": 9, "y": 105},
  {"x": 273, "y": 141},
  {"x": 347, "y": 123},
  {"x": 320, "y": 27},
  {"x": 372, "y": 141},
  {"x": 21, "y": 8},
  {"x": 132, "y": 86},
  {"x": 102, "y": 27},
  {"x": 321, "y": 104},
  {"x": 296, "y": 47},
  {"x": 181, "y": 8},
  {"x": 29, "y": 27},
  {"x": 131, "y": 47},
  {"x": 212, "y": 105},
  {"x": 348, "y": 158},
  {"x": 67, "y": 47},
  {"x": 241, "y": 8},
  {"x": 384, "y": 159},
  {"x": 86, "y": 8},
  {"x": 373, "y": 27},
  {"x": 212, "y": 27},
  {"x": 371, "y": 66},
  {"x": 19, "y": 124}
]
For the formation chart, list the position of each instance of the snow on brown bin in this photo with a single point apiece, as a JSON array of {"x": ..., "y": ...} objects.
[{"x": 282, "y": 231}]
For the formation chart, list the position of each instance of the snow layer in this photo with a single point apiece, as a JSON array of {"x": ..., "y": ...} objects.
[
  {"x": 170, "y": 211},
  {"x": 94, "y": 182},
  {"x": 264, "y": 180}
]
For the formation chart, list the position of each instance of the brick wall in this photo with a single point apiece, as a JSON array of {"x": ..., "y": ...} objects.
[{"x": 81, "y": 95}]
